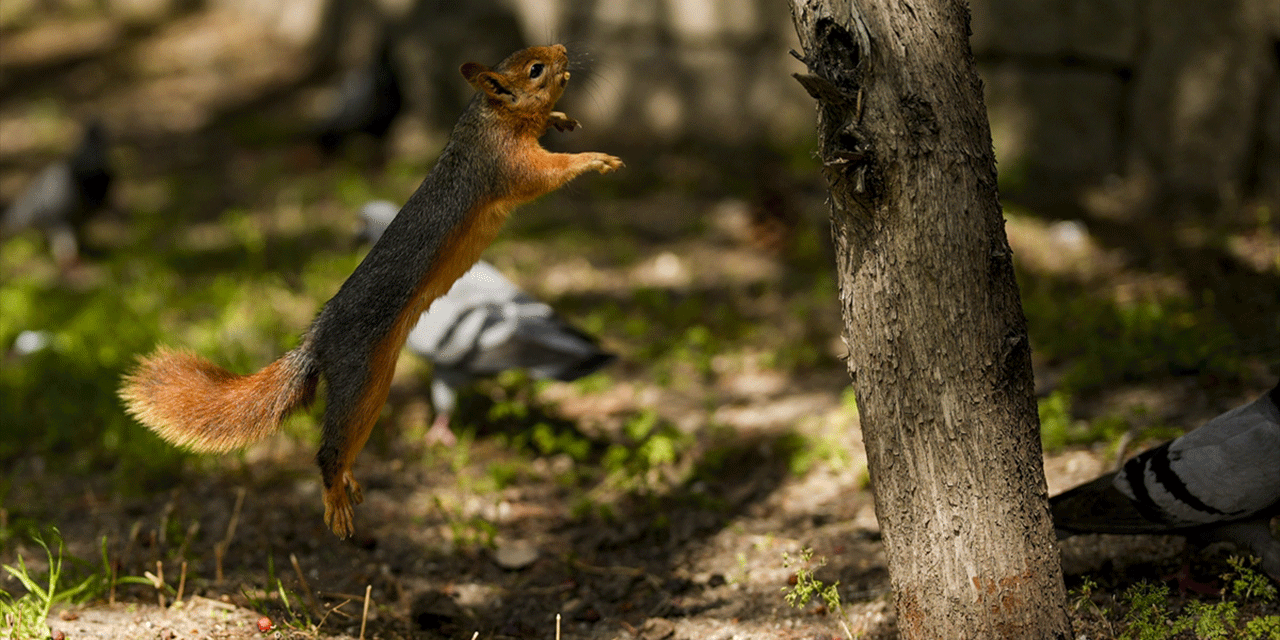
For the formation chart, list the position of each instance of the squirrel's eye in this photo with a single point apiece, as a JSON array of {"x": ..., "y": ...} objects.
[{"x": 535, "y": 70}]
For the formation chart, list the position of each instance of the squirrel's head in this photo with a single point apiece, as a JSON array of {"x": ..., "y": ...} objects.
[{"x": 528, "y": 82}]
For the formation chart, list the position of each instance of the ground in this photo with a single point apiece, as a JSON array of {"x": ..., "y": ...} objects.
[{"x": 673, "y": 495}]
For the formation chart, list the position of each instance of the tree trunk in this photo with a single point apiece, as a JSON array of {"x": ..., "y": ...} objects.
[{"x": 937, "y": 338}]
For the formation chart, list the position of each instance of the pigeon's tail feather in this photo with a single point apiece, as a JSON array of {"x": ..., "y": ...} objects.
[
  {"x": 548, "y": 347},
  {"x": 1098, "y": 507}
]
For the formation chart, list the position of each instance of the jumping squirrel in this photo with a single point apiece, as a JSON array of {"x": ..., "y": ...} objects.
[{"x": 491, "y": 163}]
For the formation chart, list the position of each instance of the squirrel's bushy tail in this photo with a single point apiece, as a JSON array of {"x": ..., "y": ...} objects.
[{"x": 194, "y": 403}]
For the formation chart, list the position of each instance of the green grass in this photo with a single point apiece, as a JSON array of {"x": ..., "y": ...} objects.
[
  {"x": 26, "y": 615},
  {"x": 807, "y": 587},
  {"x": 1100, "y": 342},
  {"x": 1060, "y": 428},
  {"x": 65, "y": 581},
  {"x": 1146, "y": 611}
]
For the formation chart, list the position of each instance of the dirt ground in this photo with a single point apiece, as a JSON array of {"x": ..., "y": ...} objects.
[
  {"x": 443, "y": 549},
  {"x": 704, "y": 561}
]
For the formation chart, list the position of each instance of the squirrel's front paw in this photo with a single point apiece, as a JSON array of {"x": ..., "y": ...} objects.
[
  {"x": 604, "y": 163},
  {"x": 339, "y": 514},
  {"x": 562, "y": 122}
]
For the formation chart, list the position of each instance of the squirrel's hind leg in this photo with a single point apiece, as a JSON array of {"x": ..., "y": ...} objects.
[
  {"x": 346, "y": 432},
  {"x": 341, "y": 491}
]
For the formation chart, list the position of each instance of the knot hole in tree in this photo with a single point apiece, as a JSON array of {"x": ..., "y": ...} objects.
[{"x": 838, "y": 55}]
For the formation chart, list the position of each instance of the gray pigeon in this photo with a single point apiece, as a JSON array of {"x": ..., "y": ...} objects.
[
  {"x": 368, "y": 101},
  {"x": 62, "y": 197},
  {"x": 1220, "y": 482},
  {"x": 486, "y": 325}
]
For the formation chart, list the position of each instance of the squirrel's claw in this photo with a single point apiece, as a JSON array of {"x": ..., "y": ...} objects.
[
  {"x": 604, "y": 163},
  {"x": 562, "y": 122}
]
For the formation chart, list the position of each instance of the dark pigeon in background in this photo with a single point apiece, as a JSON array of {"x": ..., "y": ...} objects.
[
  {"x": 63, "y": 196},
  {"x": 1220, "y": 482},
  {"x": 368, "y": 101},
  {"x": 486, "y": 325}
]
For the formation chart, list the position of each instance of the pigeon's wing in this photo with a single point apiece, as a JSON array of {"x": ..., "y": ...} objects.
[
  {"x": 542, "y": 342},
  {"x": 448, "y": 334},
  {"x": 449, "y": 330},
  {"x": 487, "y": 322},
  {"x": 1226, "y": 471},
  {"x": 485, "y": 325}
]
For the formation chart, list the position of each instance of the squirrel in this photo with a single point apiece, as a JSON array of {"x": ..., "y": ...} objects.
[{"x": 491, "y": 163}]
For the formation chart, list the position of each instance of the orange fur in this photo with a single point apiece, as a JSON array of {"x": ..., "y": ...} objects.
[{"x": 194, "y": 403}]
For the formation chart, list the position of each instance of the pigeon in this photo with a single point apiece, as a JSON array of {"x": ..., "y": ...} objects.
[
  {"x": 63, "y": 196},
  {"x": 368, "y": 101},
  {"x": 486, "y": 325},
  {"x": 1220, "y": 482}
]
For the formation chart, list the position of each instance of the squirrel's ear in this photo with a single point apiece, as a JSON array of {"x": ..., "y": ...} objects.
[{"x": 487, "y": 81}]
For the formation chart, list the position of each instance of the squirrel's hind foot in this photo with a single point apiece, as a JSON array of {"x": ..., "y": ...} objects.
[{"x": 339, "y": 505}]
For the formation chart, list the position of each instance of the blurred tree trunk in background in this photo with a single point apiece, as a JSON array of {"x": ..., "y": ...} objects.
[{"x": 934, "y": 322}]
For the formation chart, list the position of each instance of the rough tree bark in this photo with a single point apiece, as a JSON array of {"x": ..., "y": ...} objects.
[{"x": 937, "y": 337}]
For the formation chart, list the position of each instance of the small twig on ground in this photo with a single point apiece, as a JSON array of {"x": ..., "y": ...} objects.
[
  {"x": 306, "y": 588},
  {"x": 182, "y": 583},
  {"x": 157, "y": 580},
  {"x": 220, "y": 549},
  {"x": 847, "y": 632},
  {"x": 364, "y": 617},
  {"x": 115, "y": 572},
  {"x": 334, "y": 609}
]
